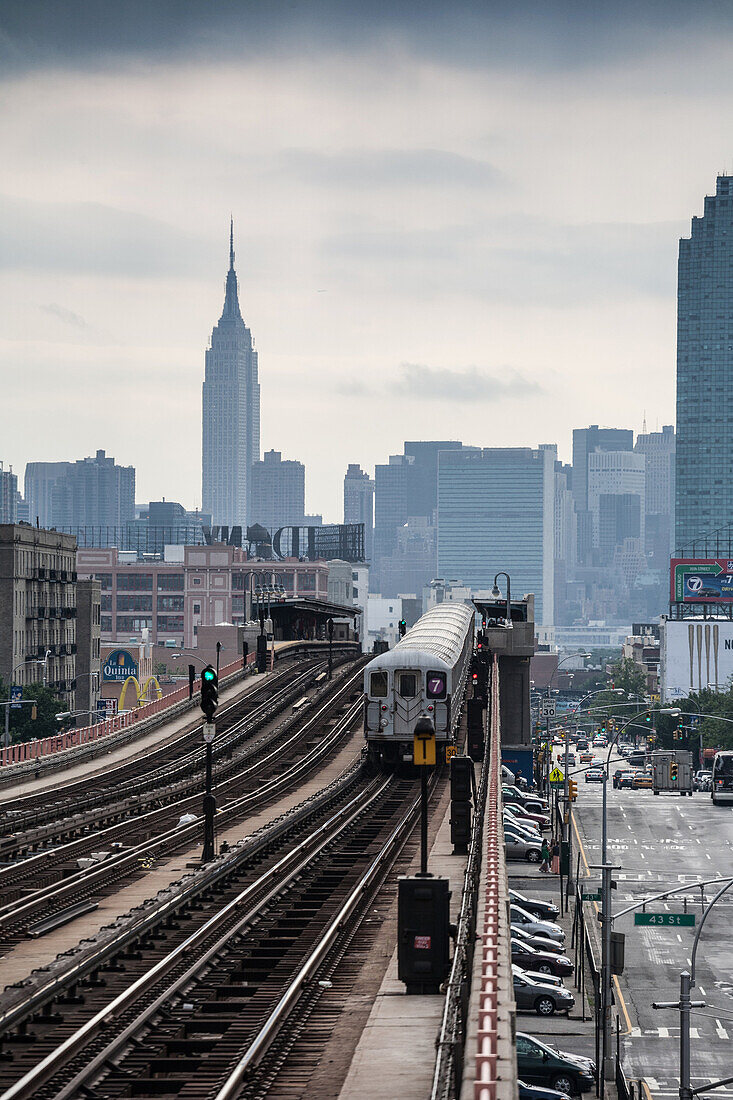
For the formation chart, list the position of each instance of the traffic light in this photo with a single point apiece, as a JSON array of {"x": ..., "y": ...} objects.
[
  {"x": 673, "y": 770},
  {"x": 209, "y": 692},
  {"x": 572, "y": 790},
  {"x": 402, "y": 627},
  {"x": 648, "y": 718},
  {"x": 603, "y": 728}
]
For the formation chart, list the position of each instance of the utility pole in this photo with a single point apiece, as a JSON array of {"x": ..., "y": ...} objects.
[
  {"x": 329, "y": 627},
  {"x": 209, "y": 703},
  {"x": 685, "y": 1004},
  {"x": 604, "y": 1022}
]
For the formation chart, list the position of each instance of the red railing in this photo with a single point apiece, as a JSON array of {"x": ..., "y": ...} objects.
[
  {"x": 487, "y": 1053},
  {"x": 31, "y": 750}
]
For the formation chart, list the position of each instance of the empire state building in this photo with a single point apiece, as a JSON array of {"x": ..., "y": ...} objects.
[{"x": 231, "y": 412}]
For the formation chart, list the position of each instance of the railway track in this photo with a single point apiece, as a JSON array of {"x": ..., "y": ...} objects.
[
  {"x": 49, "y": 889},
  {"x": 32, "y": 818},
  {"x": 196, "y": 998}
]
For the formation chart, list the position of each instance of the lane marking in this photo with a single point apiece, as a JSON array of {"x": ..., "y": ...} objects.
[{"x": 619, "y": 994}]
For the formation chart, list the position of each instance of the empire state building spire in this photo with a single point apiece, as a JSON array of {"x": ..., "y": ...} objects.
[
  {"x": 231, "y": 412},
  {"x": 231, "y": 299}
]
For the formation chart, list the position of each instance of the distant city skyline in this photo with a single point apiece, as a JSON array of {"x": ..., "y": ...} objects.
[{"x": 459, "y": 225}]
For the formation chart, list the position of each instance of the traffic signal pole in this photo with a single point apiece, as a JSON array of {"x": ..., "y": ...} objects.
[{"x": 209, "y": 703}]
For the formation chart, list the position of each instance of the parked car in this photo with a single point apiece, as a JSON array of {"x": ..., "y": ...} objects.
[
  {"x": 545, "y": 910},
  {"x": 540, "y": 1064},
  {"x": 512, "y": 826},
  {"x": 534, "y": 1092},
  {"x": 539, "y": 962},
  {"x": 521, "y": 820},
  {"x": 642, "y": 781},
  {"x": 550, "y": 979},
  {"x": 532, "y": 924},
  {"x": 536, "y": 996},
  {"x": 626, "y": 781},
  {"x": 518, "y": 847},
  {"x": 594, "y": 775},
  {"x": 532, "y": 803},
  {"x": 540, "y": 942}
]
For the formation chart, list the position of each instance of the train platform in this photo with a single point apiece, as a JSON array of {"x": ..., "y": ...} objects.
[
  {"x": 181, "y": 723},
  {"x": 395, "y": 1055}
]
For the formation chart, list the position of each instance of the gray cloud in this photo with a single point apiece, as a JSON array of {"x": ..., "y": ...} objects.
[
  {"x": 67, "y": 316},
  {"x": 541, "y": 35},
  {"x": 90, "y": 237},
  {"x": 371, "y": 168},
  {"x": 471, "y": 384}
]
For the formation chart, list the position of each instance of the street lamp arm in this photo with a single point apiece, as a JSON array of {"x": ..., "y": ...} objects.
[
  {"x": 669, "y": 893},
  {"x": 718, "y": 896}
]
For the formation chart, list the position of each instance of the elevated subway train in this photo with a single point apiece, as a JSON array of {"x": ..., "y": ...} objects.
[{"x": 424, "y": 675}]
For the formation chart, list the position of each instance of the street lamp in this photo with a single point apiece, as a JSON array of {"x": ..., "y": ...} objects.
[
  {"x": 606, "y": 915},
  {"x": 496, "y": 595}
]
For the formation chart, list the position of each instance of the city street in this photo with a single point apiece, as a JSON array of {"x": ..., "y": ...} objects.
[{"x": 660, "y": 842}]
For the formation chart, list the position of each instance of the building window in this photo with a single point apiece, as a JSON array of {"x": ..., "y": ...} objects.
[
  {"x": 197, "y": 609},
  {"x": 197, "y": 580},
  {"x": 134, "y": 603},
  {"x": 172, "y": 624},
  {"x": 173, "y": 582},
  {"x": 135, "y": 582},
  {"x": 170, "y": 603}
]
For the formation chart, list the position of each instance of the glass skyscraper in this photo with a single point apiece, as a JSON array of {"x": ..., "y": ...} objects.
[
  {"x": 704, "y": 458},
  {"x": 496, "y": 511}
]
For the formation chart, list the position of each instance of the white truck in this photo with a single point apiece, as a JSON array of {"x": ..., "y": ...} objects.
[{"x": 672, "y": 771}]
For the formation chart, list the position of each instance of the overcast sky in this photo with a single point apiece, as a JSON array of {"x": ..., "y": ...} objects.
[{"x": 452, "y": 221}]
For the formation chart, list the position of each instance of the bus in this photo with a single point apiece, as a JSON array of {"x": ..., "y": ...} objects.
[{"x": 722, "y": 788}]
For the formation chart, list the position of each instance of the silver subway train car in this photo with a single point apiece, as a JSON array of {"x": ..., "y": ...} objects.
[{"x": 424, "y": 675}]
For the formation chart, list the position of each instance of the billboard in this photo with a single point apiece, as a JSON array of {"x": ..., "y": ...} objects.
[
  {"x": 695, "y": 653},
  {"x": 701, "y": 580},
  {"x": 118, "y": 665}
]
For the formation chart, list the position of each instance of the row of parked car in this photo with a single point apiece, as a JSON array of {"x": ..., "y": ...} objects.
[
  {"x": 526, "y": 817},
  {"x": 539, "y": 964}
]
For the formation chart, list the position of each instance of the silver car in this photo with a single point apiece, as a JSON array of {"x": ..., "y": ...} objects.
[
  {"x": 518, "y": 847},
  {"x": 529, "y": 923},
  {"x": 525, "y": 822}
]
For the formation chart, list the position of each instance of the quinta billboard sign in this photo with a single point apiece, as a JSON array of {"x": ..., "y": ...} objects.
[{"x": 118, "y": 665}]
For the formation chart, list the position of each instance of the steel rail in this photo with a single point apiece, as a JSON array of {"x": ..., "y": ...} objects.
[
  {"x": 10, "y": 913},
  {"x": 69, "y": 849},
  {"x": 275, "y": 1022},
  {"x": 273, "y": 880}
]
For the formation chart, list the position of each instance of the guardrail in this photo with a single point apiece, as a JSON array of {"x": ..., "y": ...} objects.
[
  {"x": 490, "y": 1071},
  {"x": 26, "y": 752}
]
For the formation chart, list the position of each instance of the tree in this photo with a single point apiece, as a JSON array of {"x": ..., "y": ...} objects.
[
  {"x": 626, "y": 674},
  {"x": 23, "y": 727}
]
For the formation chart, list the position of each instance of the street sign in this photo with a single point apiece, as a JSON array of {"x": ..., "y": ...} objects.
[
  {"x": 209, "y": 731},
  {"x": 556, "y": 776},
  {"x": 16, "y": 692},
  {"x": 591, "y": 895},
  {"x": 450, "y": 751},
  {"x": 548, "y": 708},
  {"x": 675, "y": 920}
]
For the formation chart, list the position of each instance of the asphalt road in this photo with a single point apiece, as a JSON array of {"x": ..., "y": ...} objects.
[{"x": 661, "y": 842}]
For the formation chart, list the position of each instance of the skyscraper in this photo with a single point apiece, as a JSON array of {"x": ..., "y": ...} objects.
[
  {"x": 92, "y": 492},
  {"x": 587, "y": 441},
  {"x": 8, "y": 495},
  {"x": 231, "y": 412},
  {"x": 278, "y": 492},
  {"x": 359, "y": 503},
  {"x": 496, "y": 511},
  {"x": 659, "y": 450},
  {"x": 704, "y": 469}
]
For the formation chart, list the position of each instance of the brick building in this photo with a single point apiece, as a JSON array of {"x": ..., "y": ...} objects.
[{"x": 172, "y": 599}]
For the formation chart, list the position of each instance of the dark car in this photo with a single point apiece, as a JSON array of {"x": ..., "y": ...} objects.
[
  {"x": 540, "y": 962},
  {"x": 545, "y": 910},
  {"x": 626, "y": 781},
  {"x": 533, "y": 1092},
  {"x": 534, "y": 996},
  {"x": 540, "y": 942},
  {"x": 617, "y": 775},
  {"x": 539, "y": 1064}
]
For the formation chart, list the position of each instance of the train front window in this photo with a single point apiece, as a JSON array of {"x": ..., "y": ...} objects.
[
  {"x": 408, "y": 685},
  {"x": 436, "y": 685},
  {"x": 378, "y": 685}
]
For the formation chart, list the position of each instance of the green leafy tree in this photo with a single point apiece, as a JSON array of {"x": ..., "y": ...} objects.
[{"x": 23, "y": 727}]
